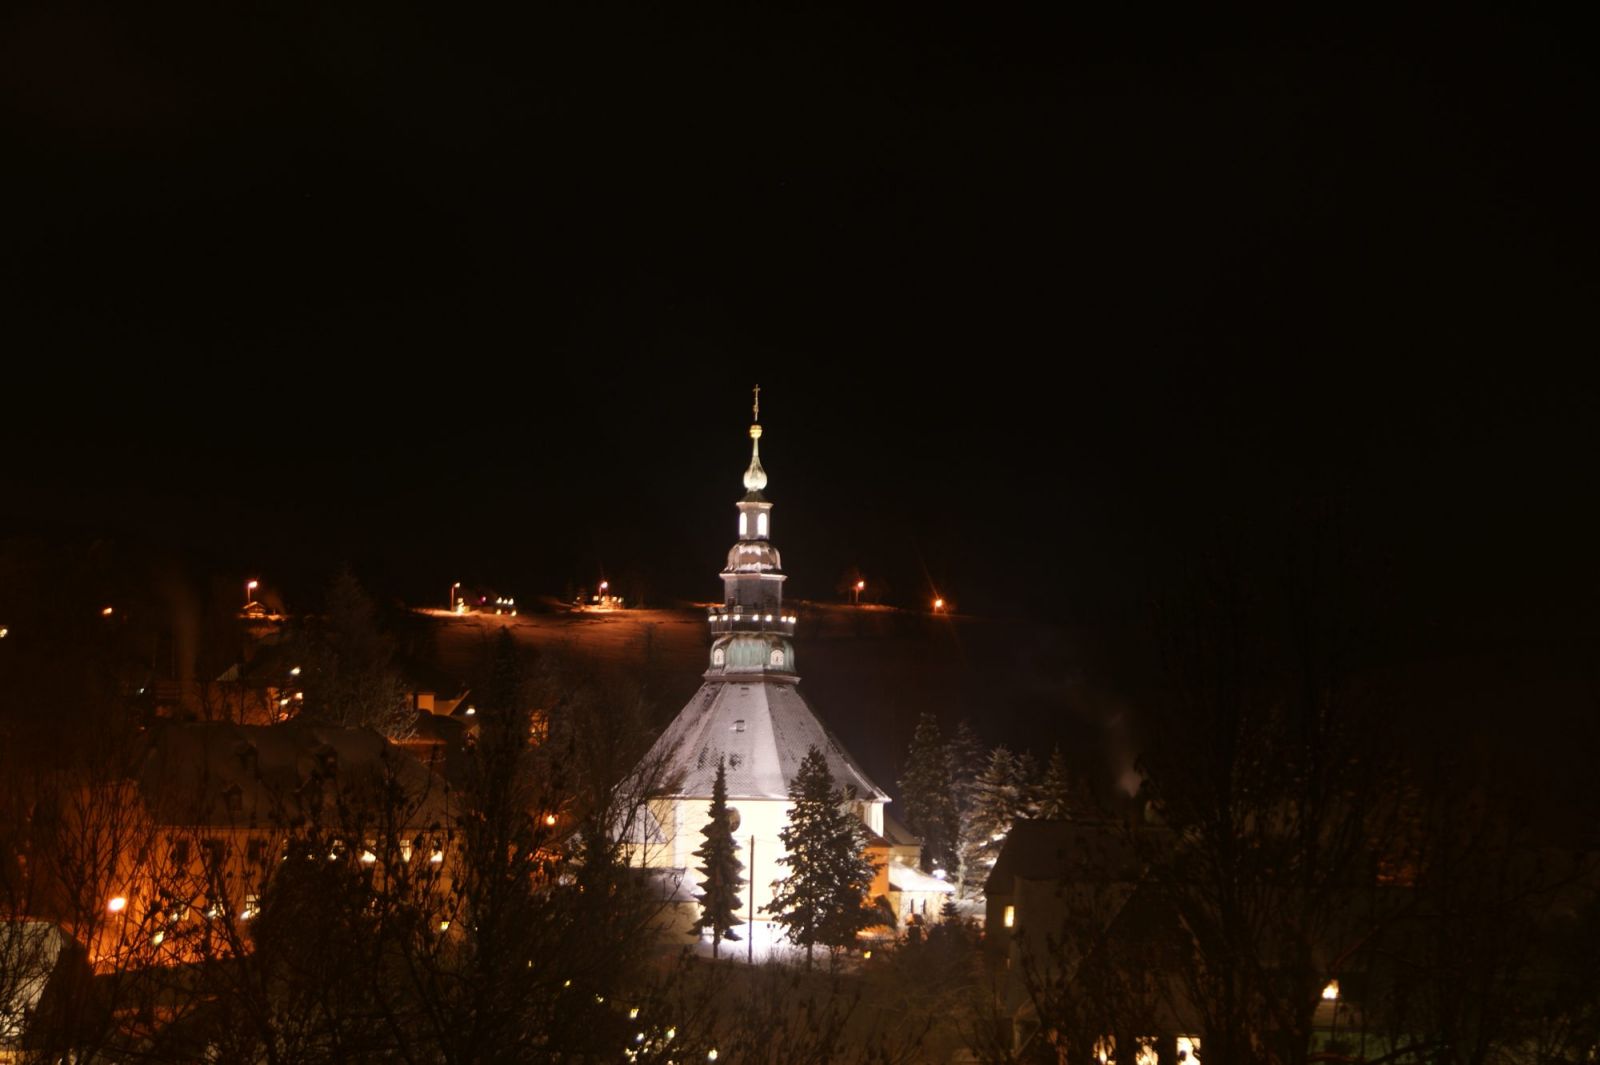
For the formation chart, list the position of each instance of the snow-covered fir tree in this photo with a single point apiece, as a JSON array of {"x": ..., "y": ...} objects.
[
  {"x": 719, "y": 869},
  {"x": 967, "y": 759},
  {"x": 824, "y": 899},
  {"x": 1056, "y": 789},
  {"x": 927, "y": 787},
  {"x": 1001, "y": 795}
]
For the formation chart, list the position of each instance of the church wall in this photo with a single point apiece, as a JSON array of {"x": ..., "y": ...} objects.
[{"x": 762, "y": 818}]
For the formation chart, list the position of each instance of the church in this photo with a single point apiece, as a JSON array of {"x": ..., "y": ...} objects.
[{"x": 748, "y": 711}]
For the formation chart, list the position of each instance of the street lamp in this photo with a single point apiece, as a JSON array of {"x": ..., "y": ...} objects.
[
  {"x": 938, "y": 604},
  {"x": 249, "y": 591},
  {"x": 454, "y": 588},
  {"x": 860, "y": 587}
]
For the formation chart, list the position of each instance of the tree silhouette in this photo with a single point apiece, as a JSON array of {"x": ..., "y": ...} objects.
[
  {"x": 720, "y": 868},
  {"x": 928, "y": 790}
]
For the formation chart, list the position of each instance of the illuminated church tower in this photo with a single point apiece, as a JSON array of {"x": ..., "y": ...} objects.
[{"x": 749, "y": 710}]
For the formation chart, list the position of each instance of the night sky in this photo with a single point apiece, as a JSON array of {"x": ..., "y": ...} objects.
[{"x": 1040, "y": 309}]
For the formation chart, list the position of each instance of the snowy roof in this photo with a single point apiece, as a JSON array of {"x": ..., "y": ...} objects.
[
  {"x": 764, "y": 727},
  {"x": 903, "y": 877},
  {"x": 216, "y": 773}
]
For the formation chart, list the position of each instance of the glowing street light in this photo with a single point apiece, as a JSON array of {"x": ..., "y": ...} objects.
[
  {"x": 454, "y": 588},
  {"x": 938, "y": 604},
  {"x": 117, "y": 904},
  {"x": 861, "y": 586},
  {"x": 1331, "y": 992},
  {"x": 250, "y": 591}
]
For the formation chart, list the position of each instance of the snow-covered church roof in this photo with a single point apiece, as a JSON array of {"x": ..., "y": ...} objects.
[{"x": 764, "y": 728}]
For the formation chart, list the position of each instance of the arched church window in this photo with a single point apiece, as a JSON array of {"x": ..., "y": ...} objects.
[
  {"x": 744, "y": 524},
  {"x": 718, "y": 657},
  {"x": 761, "y": 524},
  {"x": 777, "y": 656}
]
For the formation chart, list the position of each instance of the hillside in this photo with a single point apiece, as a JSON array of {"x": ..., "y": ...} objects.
[{"x": 868, "y": 671}]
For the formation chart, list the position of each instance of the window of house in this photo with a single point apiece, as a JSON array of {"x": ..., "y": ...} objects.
[
  {"x": 738, "y": 726},
  {"x": 252, "y": 906},
  {"x": 1010, "y": 918},
  {"x": 777, "y": 656},
  {"x": 1188, "y": 1049},
  {"x": 718, "y": 657},
  {"x": 744, "y": 524},
  {"x": 761, "y": 524}
]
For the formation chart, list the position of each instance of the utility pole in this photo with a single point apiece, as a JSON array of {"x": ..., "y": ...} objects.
[{"x": 750, "y": 947}]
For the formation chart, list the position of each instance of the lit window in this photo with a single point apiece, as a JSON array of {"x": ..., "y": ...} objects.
[
  {"x": 761, "y": 524},
  {"x": 777, "y": 656},
  {"x": 1105, "y": 1049},
  {"x": 718, "y": 657},
  {"x": 744, "y": 524},
  {"x": 1146, "y": 1053},
  {"x": 1188, "y": 1049},
  {"x": 252, "y": 906},
  {"x": 1010, "y": 919},
  {"x": 1331, "y": 992}
]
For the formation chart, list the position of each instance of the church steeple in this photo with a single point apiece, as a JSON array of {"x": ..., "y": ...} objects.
[{"x": 750, "y": 632}]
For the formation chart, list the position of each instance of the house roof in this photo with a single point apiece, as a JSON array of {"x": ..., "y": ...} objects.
[
  {"x": 903, "y": 877},
  {"x": 764, "y": 727},
  {"x": 1065, "y": 850},
  {"x": 896, "y": 834},
  {"x": 215, "y": 773}
]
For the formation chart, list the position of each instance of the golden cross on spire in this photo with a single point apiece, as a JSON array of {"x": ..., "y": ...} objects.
[{"x": 758, "y": 403}]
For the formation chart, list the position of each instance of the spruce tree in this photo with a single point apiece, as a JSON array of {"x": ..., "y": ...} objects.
[
  {"x": 1055, "y": 791},
  {"x": 1027, "y": 806},
  {"x": 823, "y": 900},
  {"x": 997, "y": 795},
  {"x": 928, "y": 791},
  {"x": 719, "y": 869},
  {"x": 967, "y": 758}
]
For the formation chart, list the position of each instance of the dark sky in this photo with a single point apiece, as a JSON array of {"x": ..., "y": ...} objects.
[{"x": 1038, "y": 307}]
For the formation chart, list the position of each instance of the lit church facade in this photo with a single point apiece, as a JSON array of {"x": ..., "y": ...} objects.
[{"x": 749, "y": 712}]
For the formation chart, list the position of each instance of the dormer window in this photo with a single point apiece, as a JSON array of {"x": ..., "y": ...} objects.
[
  {"x": 744, "y": 525},
  {"x": 777, "y": 656},
  {"x": 738, "y": 725},
  {"x": 719, "y": 657},
  {"x": 761, "y": 524}
]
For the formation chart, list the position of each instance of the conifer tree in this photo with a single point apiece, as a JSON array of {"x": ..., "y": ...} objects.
[
  {"x": 1027, "y": 806},
  {"x": 997, "y": 795},
  {"x": 929, "y": 793},
  {"x": 1055, "y": 791},
  {"x": 823, "y": 900},
  {"x": 719, "y": 869},
  {"x": 967, "y": 759}
]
